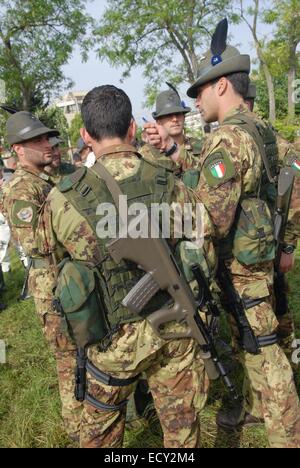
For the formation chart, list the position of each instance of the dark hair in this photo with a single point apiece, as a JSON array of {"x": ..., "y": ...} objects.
[
  {"x": 106, "y": 112},
  {"x": 240, "y": 83}
]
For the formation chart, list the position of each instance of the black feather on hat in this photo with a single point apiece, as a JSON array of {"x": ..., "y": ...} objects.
[{"x": 219, "y": 41}]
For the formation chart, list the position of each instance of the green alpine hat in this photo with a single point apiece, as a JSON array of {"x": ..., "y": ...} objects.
[
  {"x": 169, "y": 102},
  {"x": 23, "y": 126},
  {"x": 251, "y": 94},
  {"x": 220, "y": 60}
]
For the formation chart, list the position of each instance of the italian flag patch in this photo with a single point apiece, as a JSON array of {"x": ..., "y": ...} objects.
[
  {"x": 218, "y": 169},
  {"x": 296, "y": 164}
]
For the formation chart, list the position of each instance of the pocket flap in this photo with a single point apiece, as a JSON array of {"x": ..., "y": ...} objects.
[{"x": 75, "y": 284}]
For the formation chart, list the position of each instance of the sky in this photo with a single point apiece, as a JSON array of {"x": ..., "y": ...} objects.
[{"x": 95, "y": 73}]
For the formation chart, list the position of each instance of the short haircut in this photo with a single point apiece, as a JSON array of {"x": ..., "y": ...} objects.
[
  {"x": 106, "y": 112},
  {"x": 240, "y": 83}
]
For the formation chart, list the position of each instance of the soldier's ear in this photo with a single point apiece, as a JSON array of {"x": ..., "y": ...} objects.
[
  {"x": 222, "y": 86},
  {"x": 18, "y": 149},
  {"x": 86, "y": 137},
  {"x": 132, "y": 130}
]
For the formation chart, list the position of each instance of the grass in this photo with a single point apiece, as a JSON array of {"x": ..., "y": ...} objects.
[{"x": 29, "y": 403}]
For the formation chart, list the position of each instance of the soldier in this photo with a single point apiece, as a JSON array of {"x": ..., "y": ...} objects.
[
  {"x": 58, "y": 168},
  {"x": 250, "y": 412},
  {"x": 170, "y": 114},
  {"x": 234, "y": 180},
  {"x": 83, "y": 149},
  {"x": 174, "y": 370},
  {"x": 23, "y": 198}
]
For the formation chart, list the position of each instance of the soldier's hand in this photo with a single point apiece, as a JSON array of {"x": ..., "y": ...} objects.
[
  {"x": 158, "y": 136},
  {"x": 287, "y": 262}
]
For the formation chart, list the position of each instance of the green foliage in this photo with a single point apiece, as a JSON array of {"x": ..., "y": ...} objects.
[
  {"x": 165, "y": 37},
  {"x": 36, "y": 39},
  {"x": 287, "y": 128},
  {"x": 53, "y": 117},
  {"x": 194, "y": 132},
  {"x": 262, "y": 101},
  {"x": 74, "y": 130}
]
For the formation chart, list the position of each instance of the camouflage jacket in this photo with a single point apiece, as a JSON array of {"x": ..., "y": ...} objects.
[
  {"x": 23, "y": 199},
  {"x": 188, "y": 156},
  {"x": 289, "y": 156},
  {"x": 63, "y": 229},
  {"x": 230, "y": 167}
]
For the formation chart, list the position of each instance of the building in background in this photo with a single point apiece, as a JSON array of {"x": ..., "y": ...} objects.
[
  {"x": 71, "y": 104},
  {"x": 194, "y": 122}
]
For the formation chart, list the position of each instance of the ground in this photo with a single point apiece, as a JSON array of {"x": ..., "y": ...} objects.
[{"x": 29, "y": 401}]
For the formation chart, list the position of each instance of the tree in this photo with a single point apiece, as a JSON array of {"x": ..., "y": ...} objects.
[
  {"x": 251, "y": 15},
  {"x": 164, "y": 37},
  {"x": 74, "y": 131},
  {"x": 36, "y": 39},
  {"x": 53, "y": 117},
  {"x": 286, "y": 17}
]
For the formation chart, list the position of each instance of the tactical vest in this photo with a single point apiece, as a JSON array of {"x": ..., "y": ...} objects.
[
  {"x": 85, "y": 190},
  {"x": 265, "y": 138},
  {"x": 251, "y": 239}
]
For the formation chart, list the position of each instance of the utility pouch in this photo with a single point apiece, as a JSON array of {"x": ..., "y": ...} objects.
[
  {"x": 78, "y": 300},
  {"x": 253, "y": 238}
]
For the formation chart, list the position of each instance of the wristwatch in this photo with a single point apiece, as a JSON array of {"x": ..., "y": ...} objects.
[
  {"x": 288, "y": 249},
  {"x": 172, "y": 150}
]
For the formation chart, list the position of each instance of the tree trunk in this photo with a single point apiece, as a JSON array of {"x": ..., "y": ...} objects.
[
  {"x": 291, "y": 79},
  {"x": 291, "y": 103},
  {"x": 26, "y": 100},
  {"x": 271, "y": 93}
]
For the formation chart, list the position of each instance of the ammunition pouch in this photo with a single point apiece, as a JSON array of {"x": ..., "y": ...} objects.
[
  {"x": 79, "y": 302},
  {"x": 253, "y": 235}
]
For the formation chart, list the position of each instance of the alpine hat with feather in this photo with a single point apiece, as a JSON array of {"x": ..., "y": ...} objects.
[
  {"x": 220, "y": 60},
  {"x": 169, "y": 102}
]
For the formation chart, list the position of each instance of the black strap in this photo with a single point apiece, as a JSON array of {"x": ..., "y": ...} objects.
[
  {"x": 108, "y": 379},
  {"x": 103, "y": 406},
  {"x": 267, "y": 340},
  {"x": 249, "y": 303}
]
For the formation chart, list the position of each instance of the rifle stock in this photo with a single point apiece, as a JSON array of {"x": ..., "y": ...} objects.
[{"x": 153, "y": 255}]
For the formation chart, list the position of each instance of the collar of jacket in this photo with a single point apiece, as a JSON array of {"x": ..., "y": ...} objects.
[{"x": 114, "y": 150}]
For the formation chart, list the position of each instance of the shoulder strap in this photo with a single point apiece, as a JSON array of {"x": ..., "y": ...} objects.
[
  {"x": 250, "y": 125},
  {"x": 110, "y": 182}
]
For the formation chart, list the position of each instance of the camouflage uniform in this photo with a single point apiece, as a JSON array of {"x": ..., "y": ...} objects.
[
  {"x": 174, "y": 370},
  {"x": 23, "y": 198},
  {"x": 269, "y": 372},
  {"x": 286, "y": 329}
]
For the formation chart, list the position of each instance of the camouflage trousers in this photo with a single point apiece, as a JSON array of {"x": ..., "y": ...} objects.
[
  {"x": 286, "y": 336},
  {"x": 176, "y": 378},
  {"x": 269, "y": 374},
  {"x": 65, "y": 354}
]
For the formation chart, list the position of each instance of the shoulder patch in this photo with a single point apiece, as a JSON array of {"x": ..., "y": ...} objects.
[
  {"x": 218, "y": 168},
  {"x": 24, "y": 213}
]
